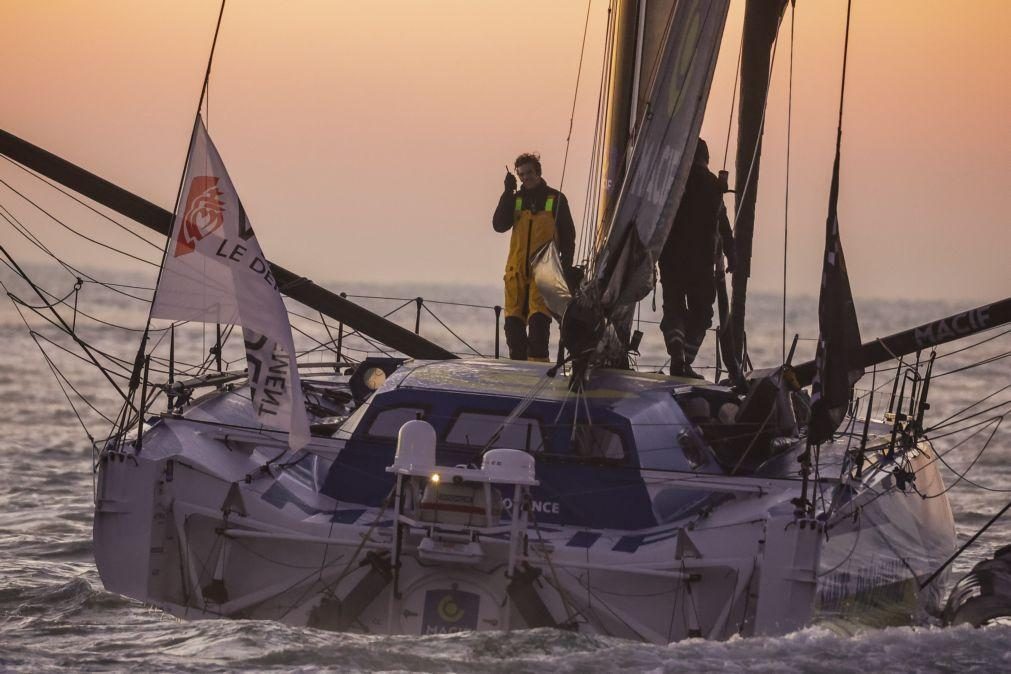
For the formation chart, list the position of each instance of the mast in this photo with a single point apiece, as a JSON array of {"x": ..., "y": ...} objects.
[
  {"x": 640, "y": 30},
  {"x": 761, "y": 24},
  {"x": 157, "y": 218},
  {"x": 638, "y": 213},
  {"x": 623, "y": 76},
  {"x": 639, "y": 218}
]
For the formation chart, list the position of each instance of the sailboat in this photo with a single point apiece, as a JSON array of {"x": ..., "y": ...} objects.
[{"x": 437, "y": 494}]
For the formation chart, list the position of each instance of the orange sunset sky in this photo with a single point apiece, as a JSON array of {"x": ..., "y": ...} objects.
[{"x": 368, "y": 139}]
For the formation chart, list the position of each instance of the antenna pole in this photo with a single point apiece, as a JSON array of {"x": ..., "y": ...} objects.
[{"x": 179, "y": 192}]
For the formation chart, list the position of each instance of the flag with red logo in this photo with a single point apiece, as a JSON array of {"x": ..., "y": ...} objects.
[{"x": 215, "y": 272}]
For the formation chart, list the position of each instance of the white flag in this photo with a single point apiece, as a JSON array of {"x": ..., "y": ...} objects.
[{"x": 215, "y": 272}]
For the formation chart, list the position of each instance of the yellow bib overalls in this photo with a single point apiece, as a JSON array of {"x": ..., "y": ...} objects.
[{"x": 530, "y": 231}]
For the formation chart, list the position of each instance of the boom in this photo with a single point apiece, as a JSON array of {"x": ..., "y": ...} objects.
[
  {"x": 157, "y": 218},
  {"x": 924, "y": 336}
]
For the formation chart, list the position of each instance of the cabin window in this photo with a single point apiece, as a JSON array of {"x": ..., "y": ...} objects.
[
  {"x": 598, "y": 442},
  {"x": 388, "y": 422},
  {"x": 475, "y": 430}
]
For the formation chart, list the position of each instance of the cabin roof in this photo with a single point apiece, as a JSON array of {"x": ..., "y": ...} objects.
[{"x": 519, "y": 379}]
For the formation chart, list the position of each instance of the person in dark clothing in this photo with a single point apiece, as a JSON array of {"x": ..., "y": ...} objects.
[
  {"x": 536, "y": 214},
  {"x": 687, "y": 264}
]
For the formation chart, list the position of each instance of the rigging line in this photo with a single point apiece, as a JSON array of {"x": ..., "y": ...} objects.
[
  {"x": 966, "y": 409},
  {"x": 71, "y": 229},
  {"x": 789, "y": 135},
  {"x": 517, "y": 411},
  {"x": 977, "y": 485},
  {"x": 971, "y": 416},
  {"x": 651, "y": 83},
  {"x": 427, "y": 301},
  {"x": 846, "y": 47},
  {"x": 849, "y": 555},
  {"x": 346, "y": 571},
  {"x": 939, "y": 357},
  {"x": 986, "y": 361},
  {"x": 450, "y": 330},
  {"x": 963, "y": 429},
  {"x": 322, "y": 319},
  {"x": 593, "y": 174},
  {"x": 603, "y": 104},
  {"x": 47, "y": 305},
  {"x": 625, "y": 182},
  {"x": 59, "y": 188},
  {"x": 305, "y": 334},
  {"x": 79, "y": 311},
  {"x": 353, "y": 333},
  {"x": 25, "y": 232},
  {"x": 119, "y": 285},
  {"x": 658, "y": 57},
  {"x": 205, "y": 89},
  {"x": 543, "y": 550},
  {"x": 975, "y": 344},
  {"x": 292, "y": 312},
  {"x": 61, "y": 327},
  {"x": 57, "y": 374},
  {"x": 206, "y": 364},
  {"x": 593, "y": 186},
  {"x": 607, "y": 221},
  {"x": 575, "y": 95},
  {"x": 733, "y": 100},
  {"x": 326, "y": 345},
  {"x": 964, "y": 473},
  {"x": 79, "y": 341},
  {"x": 972, "y": 540},
  {"x": 112, "y": 359},
  {"x": 374, "y": 345},
  {"x": 761, "y": 125},
  {"x": 186, "y": 163}
]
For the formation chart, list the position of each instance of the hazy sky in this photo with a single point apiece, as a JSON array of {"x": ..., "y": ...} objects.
[{"x": 368, "y": 139}]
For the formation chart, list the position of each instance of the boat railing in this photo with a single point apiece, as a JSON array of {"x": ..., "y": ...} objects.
[{"x": 417, "y": 313}]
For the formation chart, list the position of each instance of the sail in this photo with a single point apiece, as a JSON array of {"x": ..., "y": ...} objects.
[
  {"x": 639, "y": 34},
  {"x": 837, "y": 360},
  {"x": 215, "y": 272},
  {"x": 660, "y": 158}
]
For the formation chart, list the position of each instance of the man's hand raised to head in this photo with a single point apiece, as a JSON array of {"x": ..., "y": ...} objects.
[{"x": 510, "y": 182}]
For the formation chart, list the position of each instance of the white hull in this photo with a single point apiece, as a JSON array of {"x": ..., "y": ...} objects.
[{"x": 195, "y": 526}]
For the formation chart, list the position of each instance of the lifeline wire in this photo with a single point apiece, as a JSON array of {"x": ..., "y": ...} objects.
[
  {"x": 575, "y": 95},
  {"x": 80, "y": 201}
]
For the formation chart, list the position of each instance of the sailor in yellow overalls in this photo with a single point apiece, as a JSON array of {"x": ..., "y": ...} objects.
[{"x": 535, "y": 213}]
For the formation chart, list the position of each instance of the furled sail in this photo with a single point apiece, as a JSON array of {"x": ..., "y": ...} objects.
[
  {"x": 837, "y": 360},
  {"x": 639, "y": 34},
  {"x": 660, "y": 159},
  {"x": 215, "y": 272}
]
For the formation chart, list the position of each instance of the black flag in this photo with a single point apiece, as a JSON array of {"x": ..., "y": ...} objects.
[{"x": 836, "y": 360}]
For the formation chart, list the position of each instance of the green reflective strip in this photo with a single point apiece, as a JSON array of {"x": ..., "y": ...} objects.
[
  {"x": 519, "y": 203},
  {"x": 549, "y": 204}
]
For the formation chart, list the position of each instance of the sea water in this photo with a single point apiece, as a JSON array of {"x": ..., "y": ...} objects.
[{"x": 55, "y": 614}]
